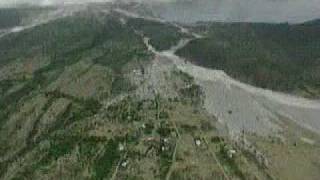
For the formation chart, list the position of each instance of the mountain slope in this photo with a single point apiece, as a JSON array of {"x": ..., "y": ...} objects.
[
  {"x": 76, "y": 89},
  {"x": 280, "y": 57},
  {"x": 97, "y": 92}
]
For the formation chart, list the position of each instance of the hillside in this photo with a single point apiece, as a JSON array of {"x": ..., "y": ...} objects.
[
  {"x": 280, "y": 57},
  {"x": 96, "y": 91},
  {"x": 76, "y": 89}
]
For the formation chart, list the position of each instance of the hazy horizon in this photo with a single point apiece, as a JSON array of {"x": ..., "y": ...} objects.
[{"x": 293, "y": 11}]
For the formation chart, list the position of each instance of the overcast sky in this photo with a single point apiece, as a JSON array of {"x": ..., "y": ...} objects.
[
  {"x": 293, "y": 11},
  {"x": 223, "y": 10},
  {"x": 41, "y": 2}
]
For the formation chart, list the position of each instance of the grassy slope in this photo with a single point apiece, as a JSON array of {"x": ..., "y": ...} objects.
[
  {"x": 66, "y": 37},
  {"x": 85, "y": 37},
  {"x": 281, "y": 57},
  {"x": 65, "y": 42}
]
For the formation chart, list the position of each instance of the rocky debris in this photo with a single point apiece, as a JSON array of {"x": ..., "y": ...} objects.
[
  {"x": 156, "y": 79},
  {"x": 248, "y": 103}
]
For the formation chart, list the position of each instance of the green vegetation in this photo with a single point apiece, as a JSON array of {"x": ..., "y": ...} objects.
[
  {"x": 106, "y": 162},
  {"x": 189, "y": 128},
  {"x": 165, "y": 161},
  {"x": 165, "y": 129},
  {"x": 186, "y": 78},
  {"x": 81, "y": 140},
  {"x": 191, "y": 94},
  {"x": 65, "y": 42},
  {"x": 61, "y": 146},
  {"x": 121, "y": 84},
  {"x": 280, "y": 57},
  {"x": 125, "y": 111},
  {"x": 149, "y": 127},
  {"x": 89, "y": 146},
  {"x": 162, "y": 39},
  {"x": 78, "y": 110},
  {"x": 5, "y": 85},
  {"x": 9, "y": 103},
  {"x": 118, "y": 53},
  {"x": 229, "y": 163},
  {"x": 88, "y": 107}
]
